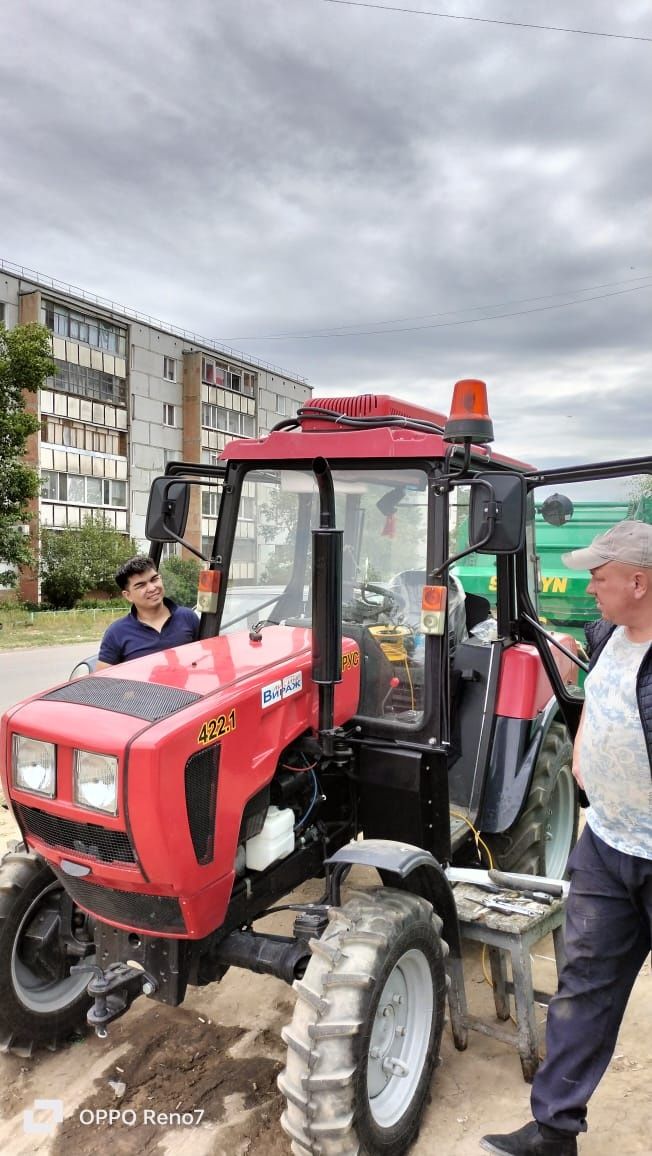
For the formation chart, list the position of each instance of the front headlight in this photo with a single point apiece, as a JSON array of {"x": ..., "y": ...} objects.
[
  {"x": 95, "y": 781},
  {"x": 34, "y": 766}
]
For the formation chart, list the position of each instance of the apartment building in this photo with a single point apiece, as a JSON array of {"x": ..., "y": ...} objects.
[{"x": 129, "y": 394}]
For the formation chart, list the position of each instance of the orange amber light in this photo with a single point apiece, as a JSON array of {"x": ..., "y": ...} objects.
[
  {"x": 208, "y": 589},
  {"x": 433, "y": 598},
  {"x": 433, "y": 609},
  {"x": 469, "y": 417}
]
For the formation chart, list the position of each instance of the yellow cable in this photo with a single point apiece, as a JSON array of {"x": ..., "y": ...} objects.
[{"x": 479, "y": 841}]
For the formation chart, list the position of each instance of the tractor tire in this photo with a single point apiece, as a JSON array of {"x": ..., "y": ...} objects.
[
  {"x": 366, "y": 1030},
  {"x": 41, "y": 1003},
  {"x": 543, "y": 836}
]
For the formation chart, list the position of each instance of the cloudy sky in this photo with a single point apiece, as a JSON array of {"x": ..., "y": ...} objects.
[{"x": 376, "y": 200}]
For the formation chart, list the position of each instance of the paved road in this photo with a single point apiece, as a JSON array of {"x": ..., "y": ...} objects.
[{"x": 25, "y": 672}]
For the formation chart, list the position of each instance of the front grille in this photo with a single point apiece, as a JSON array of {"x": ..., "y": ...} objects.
[
  {"x": 146, "y": 700},
  {"x": 201, "y": 797},
  {"x": 142, "y": 912},
  {"x": 86, "y": 838}
]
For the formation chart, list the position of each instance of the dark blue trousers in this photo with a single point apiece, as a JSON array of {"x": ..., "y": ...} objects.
[{"x": 608, "y": 931}]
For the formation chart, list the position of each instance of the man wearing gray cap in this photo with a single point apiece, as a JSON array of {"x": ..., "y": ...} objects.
[{"x": 609, "y": 909}]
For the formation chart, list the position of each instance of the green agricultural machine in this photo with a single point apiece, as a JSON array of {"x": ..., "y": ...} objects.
[{"x": 560, "y": 526}]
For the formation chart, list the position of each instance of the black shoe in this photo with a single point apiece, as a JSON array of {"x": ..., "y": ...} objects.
[{"x": 532, "y": 1140}]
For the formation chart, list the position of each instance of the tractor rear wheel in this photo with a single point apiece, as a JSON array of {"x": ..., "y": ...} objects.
[
  {"x": 41, "y": 1003},
  {"x": 543, "y": 836},
  {"x": 366, "y": 1031}
]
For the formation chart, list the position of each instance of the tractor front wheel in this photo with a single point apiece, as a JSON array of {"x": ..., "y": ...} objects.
[
  {"x": 545, "y": 832},
  {"x": 41, "y": 937},
  {"x": 366, "y": 1031}
]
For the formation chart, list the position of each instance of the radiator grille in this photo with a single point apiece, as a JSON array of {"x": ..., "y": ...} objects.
[
  {"x": 86, "y": 838},
  {"x": 146, "y": 700},
  {"x": 201, "y": 795},
  {"x": 142, "y": 912}
]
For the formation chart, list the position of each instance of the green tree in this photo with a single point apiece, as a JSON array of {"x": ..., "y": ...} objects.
[
  {"x": 103, "y": 551},
  {"x": 74, "y": 562},
  {"x": 25, "y": 362},
  {"x": 62, "y": 579},
  {"x": 181, "y": 578}
]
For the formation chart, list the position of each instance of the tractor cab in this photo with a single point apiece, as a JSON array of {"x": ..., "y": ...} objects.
[{"x": 413, "y": 493}]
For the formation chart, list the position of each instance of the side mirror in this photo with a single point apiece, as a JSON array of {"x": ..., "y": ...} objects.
[
  {"x": 497, "y": 498},
  {"x": 167, "y": 512}
]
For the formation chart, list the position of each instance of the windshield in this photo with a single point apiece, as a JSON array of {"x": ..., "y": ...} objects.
[{"x": 383, "y": 515}]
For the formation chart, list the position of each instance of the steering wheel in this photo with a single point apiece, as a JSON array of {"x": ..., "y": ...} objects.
[
  {"x": 392, "y": 598},
  {"x": 371, "y": 601}
]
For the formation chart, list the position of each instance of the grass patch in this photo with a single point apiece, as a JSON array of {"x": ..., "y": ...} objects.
[{"x": 21, "y": 629}]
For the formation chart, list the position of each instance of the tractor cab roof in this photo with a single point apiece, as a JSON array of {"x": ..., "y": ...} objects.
[{"x": 367, "y": 426}]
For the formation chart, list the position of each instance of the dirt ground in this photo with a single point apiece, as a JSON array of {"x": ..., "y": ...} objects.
[{"x": 216, "y": 1058}]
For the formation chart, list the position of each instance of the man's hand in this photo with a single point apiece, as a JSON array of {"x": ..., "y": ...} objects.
[{"x": 575, "y": 767}]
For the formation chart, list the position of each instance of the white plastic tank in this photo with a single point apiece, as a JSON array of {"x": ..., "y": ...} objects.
[{"x": 275, "y": 841}]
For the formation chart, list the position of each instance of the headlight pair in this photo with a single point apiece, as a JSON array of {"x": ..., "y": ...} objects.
[{"x": 94, "y": 776}]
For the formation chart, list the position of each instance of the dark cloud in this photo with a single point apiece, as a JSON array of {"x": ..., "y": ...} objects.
[{"x": 254, "y": 167}]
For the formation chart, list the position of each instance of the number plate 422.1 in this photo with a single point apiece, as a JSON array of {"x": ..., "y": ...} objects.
[{"x": 217, "y": 728}]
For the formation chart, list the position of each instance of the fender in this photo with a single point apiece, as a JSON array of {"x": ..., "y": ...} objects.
[
  {"x": 515, "y": 751},
  {"x": 407, "y": 868}
]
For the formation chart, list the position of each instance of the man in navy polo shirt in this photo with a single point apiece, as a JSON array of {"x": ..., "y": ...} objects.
[{"x": 154, "y": 621}]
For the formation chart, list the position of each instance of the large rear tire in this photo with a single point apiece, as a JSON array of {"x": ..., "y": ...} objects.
[
  {"x": 41, "y": 1003},
  {"x": 545, "y": 832},
  {"x": 366, "y": 1031}
]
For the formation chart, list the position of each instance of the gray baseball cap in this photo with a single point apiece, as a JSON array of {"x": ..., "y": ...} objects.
[{"x": 628, "y": 542}]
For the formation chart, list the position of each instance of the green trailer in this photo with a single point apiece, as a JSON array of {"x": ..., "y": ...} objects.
[{"x": 563, "y": 600}]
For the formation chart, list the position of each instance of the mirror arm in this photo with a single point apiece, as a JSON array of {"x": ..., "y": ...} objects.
[
  {"x": 492, "y": 513},
  {"x": 469, "y": 550},
  {"x": 555, "y": 642},
  {"x": 185, "y": 544}
]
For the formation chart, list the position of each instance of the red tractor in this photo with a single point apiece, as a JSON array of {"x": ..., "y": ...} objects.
[{"x": 346, "y": 704}]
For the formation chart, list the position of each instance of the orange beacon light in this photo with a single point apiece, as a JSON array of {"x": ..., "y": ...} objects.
[{"x": 469, "y": 419}]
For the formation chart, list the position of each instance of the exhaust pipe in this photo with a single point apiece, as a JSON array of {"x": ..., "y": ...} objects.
[{"x": 326, "y": 603}]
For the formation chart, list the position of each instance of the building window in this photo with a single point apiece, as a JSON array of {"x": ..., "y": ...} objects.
[
  {"x": 170, "y": 550},
  {"x": 59, "y": 487},
  {"x": 209, "y": 458},
  {"x": 212, "y": 371},
  {"x": 87, "y": 382},
  {"x": 86, "y": 328},
  {"x": 82, "y": 436},
  {"x": 282, "y": 404},
  {"x": 210, "y": 503},
  {"x": 228, "y": 420},
  {"x": 169, "y": 369},
  {"x": 168, "y": 414},
  {"x": 2, "y": 312}
]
